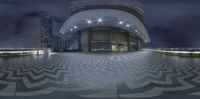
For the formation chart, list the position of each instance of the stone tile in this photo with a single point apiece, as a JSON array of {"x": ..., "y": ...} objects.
[{"x": 99, "y": 75}]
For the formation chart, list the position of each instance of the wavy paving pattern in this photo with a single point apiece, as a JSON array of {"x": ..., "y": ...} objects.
[{"x": 127, "y": 75}]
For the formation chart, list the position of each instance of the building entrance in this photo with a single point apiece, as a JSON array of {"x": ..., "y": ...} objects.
[
  {"x": 119, "y": 48},
  {"x": 108, "y": 39}
]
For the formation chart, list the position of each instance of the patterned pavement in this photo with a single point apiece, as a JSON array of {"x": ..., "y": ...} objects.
[{"x": 136, "y": 75}]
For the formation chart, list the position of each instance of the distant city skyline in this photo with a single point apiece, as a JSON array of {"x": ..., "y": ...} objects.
[{"x": 170, "y": 23}]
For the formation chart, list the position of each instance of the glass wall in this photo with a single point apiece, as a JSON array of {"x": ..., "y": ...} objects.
[
  {"x": 100, "y": 40},
  {"x": 133, "y": 41},
  {"x": 119, "y": 41},
  {"x": 110, "y": 39}
]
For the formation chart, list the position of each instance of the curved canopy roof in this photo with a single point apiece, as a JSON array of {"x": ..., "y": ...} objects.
[
  {"x": 105, "y": 17},
  {"x": 130, "y": 3}
]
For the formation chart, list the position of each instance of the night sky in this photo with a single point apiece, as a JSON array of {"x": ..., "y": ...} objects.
[{"x": 170, "y": 23}]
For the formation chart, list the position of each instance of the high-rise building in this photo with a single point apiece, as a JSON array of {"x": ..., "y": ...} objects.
[
  {"x": 46, "y": 31},
  {"x": 49, "y": 40},
  {"x": 58, "y": 44}
]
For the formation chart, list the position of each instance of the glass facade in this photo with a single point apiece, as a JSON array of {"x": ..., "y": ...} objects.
[
  {"x": 110, "y": 39},
  {"x": 100, "y": 40},
  {"x": 133, "y": 43},
  {"x": 119, "y": 41}
]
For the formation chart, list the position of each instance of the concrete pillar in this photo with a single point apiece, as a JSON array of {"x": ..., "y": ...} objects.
[
  {"x": 89, "y": 40},
  {"x": 129, "y": 45},
  {"x": 84, "y": 41},
  {"x": 79, "y": 41},
  {"x": 138, "y": 44},
  {"x": 111, "y": 41}
]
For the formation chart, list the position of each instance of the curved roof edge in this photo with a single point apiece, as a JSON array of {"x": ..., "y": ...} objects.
[
  {"x": 130, "y": 3},
  {"x": 109, "y": 17}
]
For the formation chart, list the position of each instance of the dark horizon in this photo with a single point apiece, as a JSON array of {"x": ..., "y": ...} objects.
[{"x": 170, "y": 24}]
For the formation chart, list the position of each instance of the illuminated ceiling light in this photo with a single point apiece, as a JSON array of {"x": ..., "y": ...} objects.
[
  {"x": 128, "y": 25},
  {"x": 99, "y": 20},
  {"x": 88, "y": 21},
  {"x": 71, "y": 29},
  {"x": 75, "y": 27},
  {"x": 121, "y": 22}
]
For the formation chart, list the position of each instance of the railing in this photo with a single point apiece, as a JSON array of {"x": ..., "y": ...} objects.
[
  {"x": 179, "y": 49},
  {"x": 22, "y": 51},
  {"x": 19, "y": 49}
]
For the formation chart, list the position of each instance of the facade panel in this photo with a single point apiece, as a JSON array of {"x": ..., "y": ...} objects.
[{"x": 84, "y": 41}]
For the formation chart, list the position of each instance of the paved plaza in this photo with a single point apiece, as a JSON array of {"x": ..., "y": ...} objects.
[{"x": 141, "y": 74}]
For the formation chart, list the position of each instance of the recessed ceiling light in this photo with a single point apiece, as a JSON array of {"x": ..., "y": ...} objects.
[
  {"x": 128, "y": 25},
  {"x": 100, "y": 20},
  {"x": 75, "y": 27},
  {"x": 121, "y": 22},
  {"x": 89, "y": 21}
]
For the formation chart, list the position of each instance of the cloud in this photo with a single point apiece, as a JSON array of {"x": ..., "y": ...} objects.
[
  {"x": 20, "y": 20},
  {"x": 170, "y": 23}
]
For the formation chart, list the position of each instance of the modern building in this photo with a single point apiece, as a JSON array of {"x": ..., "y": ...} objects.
[
  {"x": 107, "y": 25},
  {"x": 46, "y": 31},
  {"x": 58, "y": 44},
  {"x": 48, "y": 39}
]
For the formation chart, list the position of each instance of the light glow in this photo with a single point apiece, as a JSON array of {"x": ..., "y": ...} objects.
[
  {"x": 128, "y": 25},
  {"x": 89, "y": 21},
  {"x": 121, "y": 22},
  {"x": 71, "y": 29},
  {"x": 178, "y": 52},
  {"x": 75, "y": 27},
  {"x": 34, "y": 52},
  {"x": 99, "y": 20}
]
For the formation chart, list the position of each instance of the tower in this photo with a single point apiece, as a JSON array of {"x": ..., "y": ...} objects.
[{"x": 46, "y": 31}]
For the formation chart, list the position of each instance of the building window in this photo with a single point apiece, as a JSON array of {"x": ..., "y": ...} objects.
[{"x": 110, "y": 39}]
